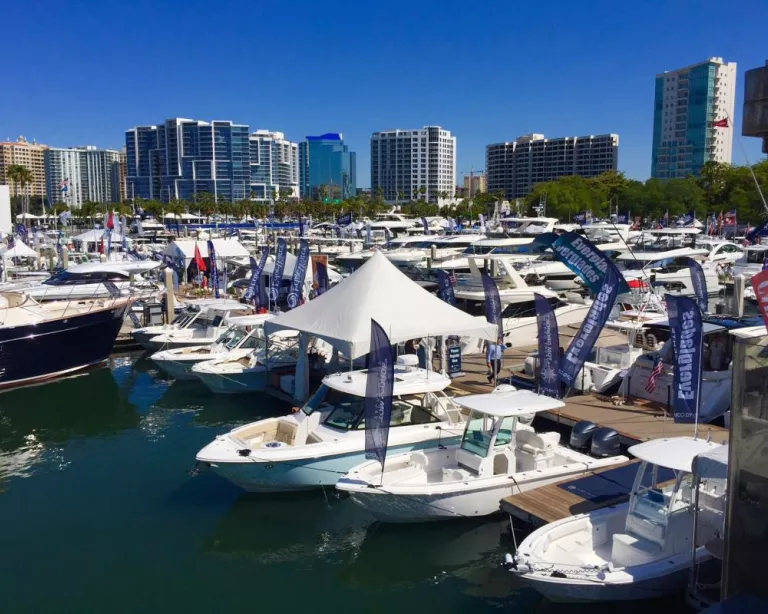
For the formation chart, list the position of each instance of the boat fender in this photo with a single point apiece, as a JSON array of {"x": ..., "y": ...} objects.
[
  {"x": 244, "y": 452},
  {"x": 521, "y": 568},
  {"x": 509, "y": 562}
]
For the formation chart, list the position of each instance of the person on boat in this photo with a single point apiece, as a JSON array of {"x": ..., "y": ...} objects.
[
  {"x": 411, "y": 346},
  {"x": 422, "y": 351},
  {"x": 717, "y": 351}
]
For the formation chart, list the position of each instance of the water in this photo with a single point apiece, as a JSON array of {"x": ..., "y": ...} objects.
[{"x": 99, "y": 514}]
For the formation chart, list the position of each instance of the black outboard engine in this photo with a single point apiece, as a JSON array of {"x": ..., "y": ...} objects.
[
  {"x": 605, "y": 442},
  {"x": 581, "y": 435}
]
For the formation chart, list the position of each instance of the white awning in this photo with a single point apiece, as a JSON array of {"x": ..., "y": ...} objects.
[
  {"x": 225, "y": 248},
  {"x": 674, "y": 453},
  {"x": 379, "y": 291},
  {"x": 507, "y": 404},
  {"x": 19, "y": 250}
]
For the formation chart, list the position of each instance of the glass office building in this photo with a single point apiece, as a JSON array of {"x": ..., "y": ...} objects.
[
  {"x": 327, "y": 169},
  {"x": 183, "y": 157}
]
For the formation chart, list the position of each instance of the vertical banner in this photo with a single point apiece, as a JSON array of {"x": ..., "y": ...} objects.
[
  {"x": 299, "y": 275},
  {"x": 277, "y": 271},
  {"x": 582, "y": 344},
  {"x": 322, "y": 277},
  {"x": 378, "y": 395},
  {"x": 445, "y": 287},
  {"x": 214, "y": 269},
  {"x": 345, "y": 219},
  {"x": 588, "y": 262},
  {"x": 493, "y": 305},
  {"x": 549, "y": 348},
  {"x": 425, "y": 225},
  {"x": 699, "y": 284},
  {"x": 252, "y": 293},
  {"x": 686, "y": 327},
  {"x": 108, "y": 232},
  {"x": 368, "y": 236},
  {"x": 760, "y": 286}
]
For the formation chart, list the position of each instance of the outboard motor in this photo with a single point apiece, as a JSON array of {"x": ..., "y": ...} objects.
[
  {"x": 605, "y": 442},
  {"x": 581, "y": 435}
]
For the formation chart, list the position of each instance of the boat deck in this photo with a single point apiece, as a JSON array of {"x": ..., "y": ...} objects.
[{"x": 590, "y": 491}]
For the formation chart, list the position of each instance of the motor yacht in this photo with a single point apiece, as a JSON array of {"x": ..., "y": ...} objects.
[
  {"x": 320, "y": 442},
  {"x": 495, "y": 459},
  {"x": 638, "y": 550},
  {"x": 239, "y": 340},
  {"x": 751, "y": 261},
  {"x": 668, "y": 271},
  {"x": 198, "y": 314}
]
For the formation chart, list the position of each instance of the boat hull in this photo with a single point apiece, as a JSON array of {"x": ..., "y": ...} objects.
[
  {"x": 35, "y": 353},
  {"x": 179, "y": 369},
  {"x": 233, "y": 383}
]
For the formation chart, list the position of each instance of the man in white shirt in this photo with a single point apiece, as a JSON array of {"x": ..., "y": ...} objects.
[{"x": 493, "y": 359}]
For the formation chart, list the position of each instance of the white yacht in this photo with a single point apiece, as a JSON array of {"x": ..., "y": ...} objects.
[
  {"x": 528, "y": 226},
  {"x": 667, "y": 270},
  {"x": 319, "y": 443},
  {"x": 237, "y": 373},
  {"x": 751, "y": 261},
  {"x": 239, "y": 340},
  {"x": 394, "y": 222},
  {"x": 199, "y": 314},
  {"x": 495, "y": 459},
  {"x": 445, "y": 248},
  {"x": 639, "y": 550}
]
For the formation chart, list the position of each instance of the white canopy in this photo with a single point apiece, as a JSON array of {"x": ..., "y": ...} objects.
[
  {"x": 379, "y": 291},
  {"x": 225, "y": 248},
  {"x": 509, "y": 403},
  {"x": 19, "y": 250},
  {"x": 95, "y": 236},
  {"x": 674, "y": 452},
  {"x": 28, "y": 216}
]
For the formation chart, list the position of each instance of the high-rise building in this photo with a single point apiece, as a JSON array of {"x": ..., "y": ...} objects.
[
  {"x": 755, "y": 116},
  {"x": 687, "y": 103},
  {"x": 184, "y": 157},
  {"x": 414, "y": 164},
  {"x": 515, "y": 167},
  {"x": 474, "y": 183},
  {"x": 274, "y": 166},
  {"x": 29, "y": 155},
  {"x": 122, "y": 174},
  {"x": 76, "y": 175},
  {"x": 327, "y": 169}
]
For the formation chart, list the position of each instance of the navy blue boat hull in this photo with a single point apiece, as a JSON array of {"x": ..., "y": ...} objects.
[{"x": 33, "y": 353}]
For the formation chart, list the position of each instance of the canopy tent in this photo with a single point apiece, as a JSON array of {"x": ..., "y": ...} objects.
[
  {"x": 225, "y": 248},
  {"x": 19, "y": 250},
  {"x": 379, "y": 291},
  {"x": 96, "y": 235},
  {"x": 28, "y": 216}
]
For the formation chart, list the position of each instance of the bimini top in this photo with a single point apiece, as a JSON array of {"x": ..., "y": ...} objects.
[
  {"x": 673, "y": 452},
  {"x": 408, "y": 380},
  {"x": 508, "y": 404}
]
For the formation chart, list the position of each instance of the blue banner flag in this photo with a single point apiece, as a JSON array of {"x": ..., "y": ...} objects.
[
  {"x": 686, "y": 326},
  {"x": 446, "y": 287},
  {"x": 623, "y": 218},
  {"x": 344, "y": 220},
  {"x": 758, "y": 231},
  {"x": 322, "y": 278},
  {"x": 21, "y": 230},
  {"x": 549, "y": 348},
  {"x": 687, "y": 219},
  {"x": 277, "y": 272},
  {"x": 299, "y": 275},
  {"x": 699, "y": 284},
  {"x": 582, "y": 344},
  {"x": 214, "y": 269},
  {"x": 252, "y": 292},
  {"x": 377, "y": 407},
  {"x": 580, "y": 218},
  {"x": 493, "y": 304},
  {"x": 108, "y": 232},
  {"x": 425, "y": 224},
  {"x": 583, "y": 258}
]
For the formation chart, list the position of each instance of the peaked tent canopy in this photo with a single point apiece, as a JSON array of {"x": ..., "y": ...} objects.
[
  {"x": 19, "y": 250},
  {"x": 379, "y": 291}
]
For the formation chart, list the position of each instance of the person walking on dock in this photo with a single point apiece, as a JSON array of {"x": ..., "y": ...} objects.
[{"x": 493, "y": 356}]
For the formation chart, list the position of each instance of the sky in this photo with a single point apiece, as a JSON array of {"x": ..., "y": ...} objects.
[{"x": 488, "y": 71}]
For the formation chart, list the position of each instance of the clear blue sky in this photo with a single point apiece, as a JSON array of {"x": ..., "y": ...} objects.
[{"x": 82, "y": 72}]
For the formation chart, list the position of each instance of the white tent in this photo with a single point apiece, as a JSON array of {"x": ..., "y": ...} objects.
[
  {"x": 19, "y": 250},
  {"x": 379, "y": 291},
  {"x": 28, "y": 216},
  {"x": 95, "y": 236},
  {"x": 225, "y": 248}
]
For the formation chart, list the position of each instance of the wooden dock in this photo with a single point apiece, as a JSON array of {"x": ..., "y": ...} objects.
[{"x": 557, "y": 501}]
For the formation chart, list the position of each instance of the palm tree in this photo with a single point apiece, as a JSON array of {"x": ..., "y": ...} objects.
[{"x": 20, "y": 176}]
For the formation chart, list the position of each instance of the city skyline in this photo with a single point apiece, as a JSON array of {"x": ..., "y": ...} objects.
[{"x": 592, "y": 85}]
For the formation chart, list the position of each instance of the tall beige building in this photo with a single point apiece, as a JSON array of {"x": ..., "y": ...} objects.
[
  {"x": 122, "y": 170},
  {"x": 28, "y": 155},
  {"x": 475, "y": 184}
]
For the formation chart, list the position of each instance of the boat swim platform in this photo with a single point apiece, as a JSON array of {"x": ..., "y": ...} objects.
[
  {"x": 591, "y": 491},
  {"x": 636, "y": 421}
]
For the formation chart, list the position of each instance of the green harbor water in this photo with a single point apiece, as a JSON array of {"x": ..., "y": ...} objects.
[{"x": 98, "y": 513}]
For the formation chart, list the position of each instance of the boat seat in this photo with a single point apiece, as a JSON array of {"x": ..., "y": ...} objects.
[
  {"x": 534, "y": 450},
  {"x": 629, "y": 550}
]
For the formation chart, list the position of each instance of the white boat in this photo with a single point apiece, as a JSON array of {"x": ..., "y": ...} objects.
[
  {"x": 495, "y": 459},
  {"x": 319, "y": 443},
  {"x": 638, "y": 550},
  {"x": 239, "y": 340},
  {"x": 752, "y": 260},
  {"x": 199, "y": 315},
  {"x": 668, "y": 270},
  {"x": 237, "y": 373}
]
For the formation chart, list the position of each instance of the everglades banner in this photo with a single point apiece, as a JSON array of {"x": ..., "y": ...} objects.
[
  {"x": 686, "y": 327},
  {"x": 299, "y": 275},
  {"x": 699, "y": 284},
  {"x": 277, "y": 272},
  {"x": 582, "y": 344},
  {"x": 445, "y": 287},
  {"x": 214, "y": 269},
  {"x": 549, "y": 347},
  {"x": 322, "y": 277},
  {"x": 252, "y": 293},
  {"x": 583, "y": 258},
  {"x": 345, "y": 219},
  {"x": 493, "y": 304},
  {"x": 377, "y": 407}
]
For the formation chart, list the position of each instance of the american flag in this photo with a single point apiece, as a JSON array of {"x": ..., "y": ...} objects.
[
  {"x": 730, "y": 218},
  {"x": 64, "y": 185},
  {"x": 655, "y": 372}
]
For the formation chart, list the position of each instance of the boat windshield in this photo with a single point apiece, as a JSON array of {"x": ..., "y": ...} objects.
[
  {"x": 478, "y": 434},
  {"x": 185, "y": 318},
  {"x": 67, "y": 278},
  {"x": 234, "y": 336}
]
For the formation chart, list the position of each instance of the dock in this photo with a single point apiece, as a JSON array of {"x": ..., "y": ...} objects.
[{"x": 589, "y": 492}]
